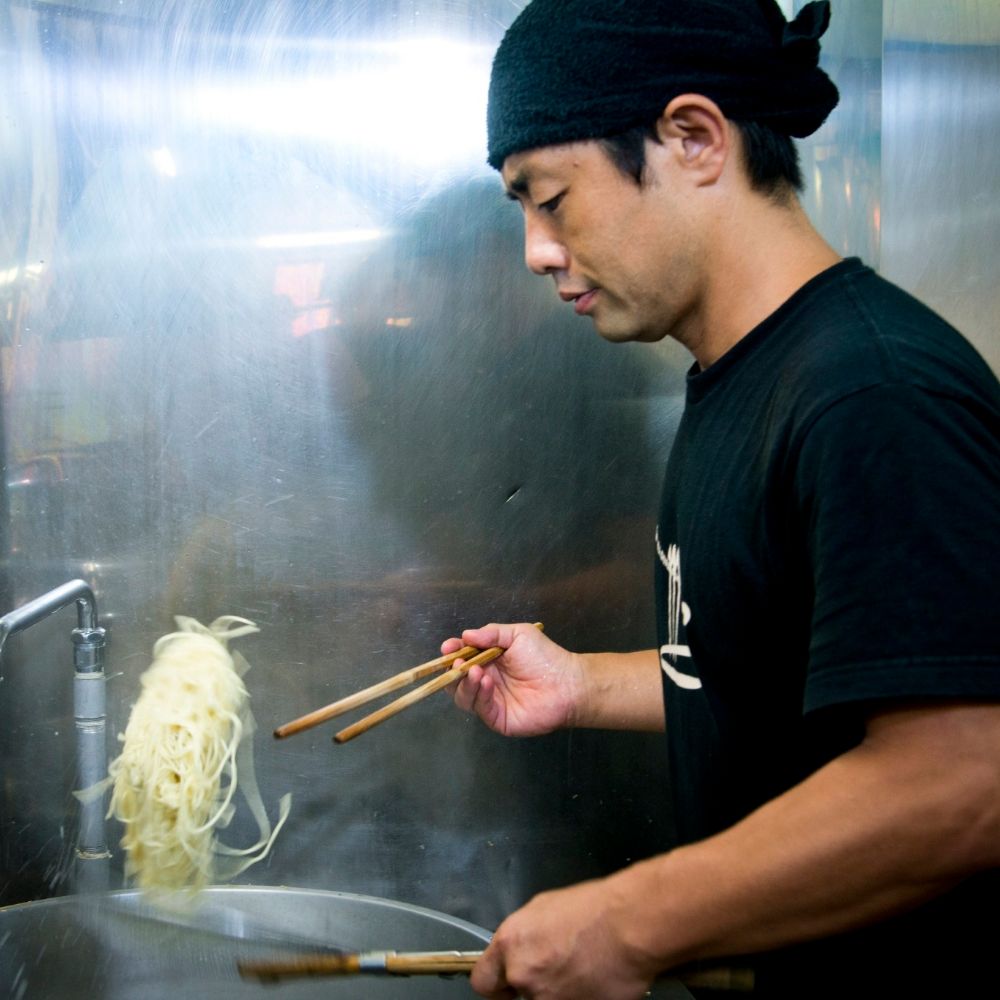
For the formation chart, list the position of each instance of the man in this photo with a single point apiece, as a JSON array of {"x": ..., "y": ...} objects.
[{"x": 828, "y": 670}]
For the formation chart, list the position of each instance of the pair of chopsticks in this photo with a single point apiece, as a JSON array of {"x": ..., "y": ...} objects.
[
  {"x": 449, "y": 963},
  {"x": 411, "y": 676}
]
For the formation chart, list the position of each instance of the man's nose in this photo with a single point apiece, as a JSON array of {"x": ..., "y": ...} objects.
[{"x": 543, "y": 253}]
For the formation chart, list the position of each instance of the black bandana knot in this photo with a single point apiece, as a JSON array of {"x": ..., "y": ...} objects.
[{"x": 800, "y": 37}]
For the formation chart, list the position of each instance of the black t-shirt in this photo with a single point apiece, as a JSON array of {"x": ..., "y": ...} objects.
[{"x": 829, "y": 539}]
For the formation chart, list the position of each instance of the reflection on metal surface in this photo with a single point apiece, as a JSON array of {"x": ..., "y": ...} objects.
[
  {"x": 287, "y": 241},
  {"x": 111, "y": 946},
  {"x": 942, "y": 118},
  {"x": 269, "y": 348},
  {"x": 842, "y": 161}
]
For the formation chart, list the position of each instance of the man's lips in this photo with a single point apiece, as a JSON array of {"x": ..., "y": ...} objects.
[{"x": 582, "y": 301}]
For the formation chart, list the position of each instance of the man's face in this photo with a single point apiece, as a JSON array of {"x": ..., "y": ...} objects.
[{"x": 615, "y": 249}]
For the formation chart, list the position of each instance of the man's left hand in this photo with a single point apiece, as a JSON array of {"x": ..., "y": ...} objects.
[{"x": 570, "y": 944}]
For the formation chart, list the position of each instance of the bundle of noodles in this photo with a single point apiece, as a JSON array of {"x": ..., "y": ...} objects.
[{"x": 187, "y": 742}]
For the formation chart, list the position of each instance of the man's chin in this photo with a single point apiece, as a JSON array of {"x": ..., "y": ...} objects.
[
  {"x": 620, "y": 330},
  {"x": 616, "y": 333}
]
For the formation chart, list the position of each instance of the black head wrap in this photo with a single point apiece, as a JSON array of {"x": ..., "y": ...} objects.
[{"x": 569, "y": 70}]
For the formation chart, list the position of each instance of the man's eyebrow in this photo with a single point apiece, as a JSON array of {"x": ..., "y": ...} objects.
[{"x": 517, "y": 187}]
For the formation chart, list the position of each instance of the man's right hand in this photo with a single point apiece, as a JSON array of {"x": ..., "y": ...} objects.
[{"x": 533, "y": 687}]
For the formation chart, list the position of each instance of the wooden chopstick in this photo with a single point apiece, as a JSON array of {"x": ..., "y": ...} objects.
[
  {"x": 371, "y": 693},
  {"x": 449, "y": 963},
  {"x": 397, "y": 706}
]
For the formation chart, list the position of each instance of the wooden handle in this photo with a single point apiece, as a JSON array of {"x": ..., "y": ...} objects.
[
  {"x": 299, "y": 968},
  {"x": 371, "y": 693},
  {"x": 449, "y": 963},
  {"x": 722, "y": 978},
  {"x": 397, "y": 706},
  {"x": 446, "y": 963},
  {"x": 413, "y": 963}
]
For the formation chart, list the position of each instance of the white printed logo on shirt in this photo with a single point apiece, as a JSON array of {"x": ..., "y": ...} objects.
[{"x": 678, "y": 614}]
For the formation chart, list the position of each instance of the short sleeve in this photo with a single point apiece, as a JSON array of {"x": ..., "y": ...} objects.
[{"x": 899, "y": 490}]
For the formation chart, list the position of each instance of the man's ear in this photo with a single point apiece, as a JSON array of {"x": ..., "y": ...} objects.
[{"x": 697, "y": 131}]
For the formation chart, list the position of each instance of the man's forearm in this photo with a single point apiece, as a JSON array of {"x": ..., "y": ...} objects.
[
  {"x": 620, "y": 691},
  {"x": 886, "y": 826}
]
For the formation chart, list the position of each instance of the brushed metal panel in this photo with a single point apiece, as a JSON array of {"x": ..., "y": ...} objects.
[
  {"x": 269, "y": 349},
  {"x": 941, "y": 161},
  {"x": 841, "y": 162}
]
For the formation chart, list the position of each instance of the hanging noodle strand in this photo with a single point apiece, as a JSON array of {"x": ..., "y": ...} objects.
[{"x": 185, "y": 750}]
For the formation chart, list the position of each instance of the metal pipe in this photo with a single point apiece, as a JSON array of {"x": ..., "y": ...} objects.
[
  {"x": 41, "y": 607},
  {"x": 89, "y": 712}
]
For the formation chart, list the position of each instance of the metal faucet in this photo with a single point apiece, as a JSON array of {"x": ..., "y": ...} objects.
[{"x": 89, "y": 708}]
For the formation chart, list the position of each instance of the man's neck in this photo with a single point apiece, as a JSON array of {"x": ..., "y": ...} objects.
[{"x": 760, "y": 256}]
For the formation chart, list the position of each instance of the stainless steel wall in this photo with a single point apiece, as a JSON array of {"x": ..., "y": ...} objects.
[
  {"x": 269, "y": 349},
  {"x": 941, "y": 166}
]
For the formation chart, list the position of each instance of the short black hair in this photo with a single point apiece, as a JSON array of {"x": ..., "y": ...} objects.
[{"x": 771, "y": 159}]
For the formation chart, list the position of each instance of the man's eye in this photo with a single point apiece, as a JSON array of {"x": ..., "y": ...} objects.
[{"x": 552, "y": 204}]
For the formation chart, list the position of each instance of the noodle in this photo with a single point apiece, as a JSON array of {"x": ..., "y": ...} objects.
[{"x": 186, "y": 742}]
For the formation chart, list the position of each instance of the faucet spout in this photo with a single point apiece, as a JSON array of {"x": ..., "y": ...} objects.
[
  {"x": 89, "y": 707},
  {"x": 41, "y": 607}
]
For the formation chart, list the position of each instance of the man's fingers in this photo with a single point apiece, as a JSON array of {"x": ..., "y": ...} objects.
[
  {"x": 493, "y": 635},
  {"x": 482, "y": 638},
  {"x": 467, "y": 690},
  {"x": 488, "y": 978}
]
